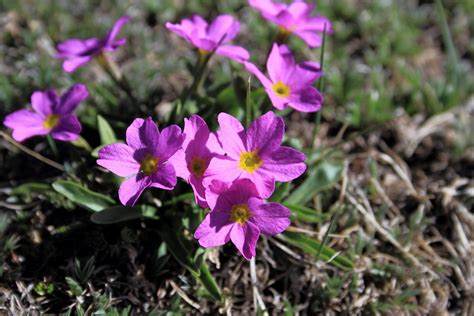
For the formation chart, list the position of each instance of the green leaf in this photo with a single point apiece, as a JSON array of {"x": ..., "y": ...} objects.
[
  {"x": 281, "y": 190},
  {"x": 209, "y": 282},
  {"x": 312, "y": 247},
  {"x": 84, "y": 197},
  {"x": 31, "y": 187},
  {"x": 306, "y": 214},
  {"x": 82, "y": 143},
  {"x": 75, "y": 288},
  {"x": 174, "y": 244},
  {"x": 107, "y": 135},
  {"x": 323, "y": 177},
  {"x": 117, "y": 214},
  {"x": 177, "y": 249}
]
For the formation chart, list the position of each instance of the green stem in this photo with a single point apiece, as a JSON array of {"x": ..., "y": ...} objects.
[
  {"x": 53, "y": 146},
  {"x": 112, "y": 69},
  {"x": 317, "y": 122},
  {"x": 248, "y": 103}
]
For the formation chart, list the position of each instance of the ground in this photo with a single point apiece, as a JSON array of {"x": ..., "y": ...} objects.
[{"x": 382, "y": 220}]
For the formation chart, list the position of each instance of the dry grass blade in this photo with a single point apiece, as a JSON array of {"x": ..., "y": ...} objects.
[{"x": 370, "y": 219}]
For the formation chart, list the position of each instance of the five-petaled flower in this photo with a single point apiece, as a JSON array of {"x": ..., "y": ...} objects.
[
  {"x": 77, "y": 52},
  {"x": 191, "y": 163},
  {"x": 208, "y": 37},
  {"x": 239, "y": 214},
  {"x": 290, "y": 84},
  {"x": 295, "y": 18},
  {"x": 51, "y": 115},
  {"x": 255, "y": 154},
  {"x": 144, "y": 159}
]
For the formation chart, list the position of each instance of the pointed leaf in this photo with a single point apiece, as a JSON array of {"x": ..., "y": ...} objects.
[{"x": 84, "y": 197}]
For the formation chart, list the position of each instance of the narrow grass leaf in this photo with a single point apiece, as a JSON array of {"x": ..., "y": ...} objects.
[
  {"x": 305, "y": 214},
  {"x": 312, "y": 246},
  {"x": 323, "y": 177},
  {"x": 117, "y": 214}
]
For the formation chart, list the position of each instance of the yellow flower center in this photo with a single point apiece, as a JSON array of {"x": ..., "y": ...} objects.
[
  {"x": 240, "y": 214},
  {"x": 285, "y": 31},
  {"x": 250, "y": 161},
  {"x": 149, "y": 164},
  {"x": 282, "y": 90},
  {"x": 202, "y": 52},
  {"x": 51, "y": 121},
  {"x": 197, "y": 166}
]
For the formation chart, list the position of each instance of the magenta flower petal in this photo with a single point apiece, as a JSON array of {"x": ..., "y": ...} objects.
[
  {"x": 311, "y": 38},
  {"x": 133, "y": 134},
  {"x": 270, "y": 126},
  {"x": 72, "y": 64},
  {"x": 77, "y": 52},
  {"x": 68, "y": 128},
  {"x": 131, "y": 189},
  {"x": 25, "y": 124},
  {"x": 295, "y": 18},
  {"x": 279, "y": 103},
  {"x": 308, "y": 100},
  {"x": 223, "y": 26},
  {"x": 209, "y": 37},
  {"x": 145, "y": 157},
  {"x": 71, "y": 99},
  {"x": 279, "y": 65},
  {"x": 169, "y": 141},
  {"x": 231, "y": 134},
  {"x": 245, "y": 238},
  {"x": 44, "y": 102},
  {"x": 318, "y": 23},
  {"x": 48, "y": 117},
  {"x": 150, "y": 136},
  {"x": 289, "y": 84},
  {"x": 284, "y": 164},
  {"x": 260, "y": 76},
  {"x": 118, "y": 158},
  {"x": 299, "y": 9},
  {"x": 222, "y": 168},
  {"x": 214, "y": 230},
  {"x": 76, "y": 47},
  {"x": 271, "y": 218},
  {"x": 110, "y": 38},
  {"x": 180, "y": 165},
  {"x": 250, "y": 154},
  {"x": 199, "y": 191},
  {"x": 238, "y": 212},
  {"x": 264, "y": 183},
  {"x": 164, "y": 178},
  {"x": 267, "y": 7},
  {"x": 233, "y": 52}
]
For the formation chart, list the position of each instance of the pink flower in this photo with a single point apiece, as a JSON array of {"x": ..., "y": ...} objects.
[
  {"x": 289, "y": 84},
  {"x": 207, "y": 37},
  {"x": 240, "y": 215},
  {"x": 144, "y": 159},
  {"x": 51, "y": 115},
  {"x": 191, "y": 163},
  {"x": 255, "y": 154},
  {"x": 77, "y": 52},
  {"x": 295, "y": 18}
]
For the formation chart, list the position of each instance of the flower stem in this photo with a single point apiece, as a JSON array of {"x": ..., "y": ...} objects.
[
  {"x": 32, "y": 153},
  {"x": 53, "y": 146},
  {"x": 317, "y": 122},
  {"x": 113, "y": 70},
  {"x": 248, "y": 103}
]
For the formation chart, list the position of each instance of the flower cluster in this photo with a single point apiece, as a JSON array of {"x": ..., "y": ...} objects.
[{"x": 232, "y": 170}]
